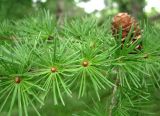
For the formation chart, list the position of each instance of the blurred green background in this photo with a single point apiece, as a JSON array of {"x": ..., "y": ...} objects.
[{"x": 142, "y": 9}]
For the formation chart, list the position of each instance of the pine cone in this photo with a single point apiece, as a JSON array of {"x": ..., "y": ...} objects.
[{"x": 125, "y": 22}]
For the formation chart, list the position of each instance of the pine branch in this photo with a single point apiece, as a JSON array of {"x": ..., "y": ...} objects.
[{"x": 85, "y": 56}]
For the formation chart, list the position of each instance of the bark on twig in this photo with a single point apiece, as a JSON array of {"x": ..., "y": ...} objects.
[
  {"x": 113, "y": 99},
  {"x": 60, "y": 10},
  {"x": 155, "y": 18}
]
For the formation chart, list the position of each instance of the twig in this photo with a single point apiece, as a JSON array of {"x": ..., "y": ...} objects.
[
  {"x": 153, "y": 18},
  {"x": 12, "y": 37},
  {"x": 113, "y": 99},
  {"x": 60, "y": 11}
]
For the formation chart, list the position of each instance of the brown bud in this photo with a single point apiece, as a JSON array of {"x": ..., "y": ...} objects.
[
  {"x": 85, "y": 63},
  {"x": 53, "y": 69},
  {"x": 17, "y": 80}
]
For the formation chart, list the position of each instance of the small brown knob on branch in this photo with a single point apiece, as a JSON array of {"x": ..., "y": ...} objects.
[
  {"x": 85, "y": 63},
  {"x": 17, "y": 80},
  {"x": 53, "y": 69}
]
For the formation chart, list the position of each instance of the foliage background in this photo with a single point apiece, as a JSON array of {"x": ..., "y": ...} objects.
[{"x": 18, "y": 10}]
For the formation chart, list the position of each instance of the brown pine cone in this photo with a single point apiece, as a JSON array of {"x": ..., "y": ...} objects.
[{"x": 125, "y": 22}]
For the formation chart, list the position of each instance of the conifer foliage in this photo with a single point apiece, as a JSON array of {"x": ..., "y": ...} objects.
[{"x": 77, "y": 69}]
